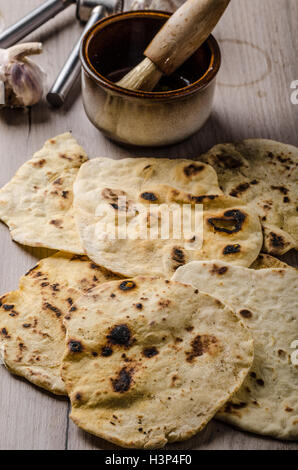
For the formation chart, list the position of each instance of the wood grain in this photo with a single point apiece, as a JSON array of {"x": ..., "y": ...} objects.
[{"x": 259, "y": 43}]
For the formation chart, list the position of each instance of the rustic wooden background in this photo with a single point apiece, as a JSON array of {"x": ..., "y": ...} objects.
[{"x": 259, "y": 42}]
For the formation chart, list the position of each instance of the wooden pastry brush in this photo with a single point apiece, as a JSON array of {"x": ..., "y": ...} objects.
[{"x": 183, "y": 33}]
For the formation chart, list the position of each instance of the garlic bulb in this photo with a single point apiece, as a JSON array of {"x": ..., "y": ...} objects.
[{"x": 22, "y": 78}]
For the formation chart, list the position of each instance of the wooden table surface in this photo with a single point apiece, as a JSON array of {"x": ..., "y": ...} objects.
[{"x": 259, "y": 42}]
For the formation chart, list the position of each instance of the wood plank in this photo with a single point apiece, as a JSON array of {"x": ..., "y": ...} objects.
[{"x": 259, "y": 44}]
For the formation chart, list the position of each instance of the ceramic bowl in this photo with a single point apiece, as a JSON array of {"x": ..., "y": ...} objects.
[{"x": 116, "y": 44}]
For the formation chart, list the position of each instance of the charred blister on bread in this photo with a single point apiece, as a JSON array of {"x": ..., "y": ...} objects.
[
  {"x": 193, "y": 169},
  {"x": 149, "y": 196},
  {"x": 127, "y": 285},
  {"x": 231, "y": 221},
  {"x": 120, "y": 335},
  {"x": 232, "y": 249},
  {"x": 123, "y": 381},
  {"x": 75, "y": 346},
  {"x": 202, "y": 344},
  {"x": 219, "y": 270}
]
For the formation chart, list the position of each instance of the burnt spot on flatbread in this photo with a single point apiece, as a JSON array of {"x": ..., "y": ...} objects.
[
  {"x": 178, "y": 255},
  {"x": 239, "y": 189},
  {"x": 13, "y": 313},
  {"x": 288, "y": 409},
  {"x": 26, "y": 325},
  {"x": 231, "y": 222},
  {"x": 228, "y": 161},
  {"x": 218, "y": 270},
  {"x": 40, "y": 163},
  {"x": 66, "y": 157},
  {"x": 4, "y": 333},
  {"x": 54, "y": 309},
  {"x": 78, "y": 396},
  {"x": 58, "y": 181},
  {"x": 260, "y": 382},
  {"x": 75, "y": 346},
  {"x": 164, "y": 303},
  {"x": 276, "y": 241},
  {"x": 199, "y": 199},
  {"x": 45, "y": 284},
  {"x": 150, "y": 352},
  {"x": 200, "y": 345},
  {"x": 112, "y": 194},
  {"x": 93, "y": 266},
  {"x": 123, "y": 380},
  {"x": 69, "y": 300},
  {"x": 7, "y": 307},
  {"x": 149, "y": 196},
  {"x": 106, "y": 351},
  {"x": 73, "y": 309},
  {"x": 57, "y": 223},
  {"x": 231, "y": 249},
  {"x": 121, "y": 335},
  {"x": 286, "y": 199},
  {"x": 281, "y": 189},
  {"x": 55, "y": 287},
  {"x": 245, "y": 313},
  {"x": 178, "y": 340},
  {"x": 232, "y": 408},
  {"x": 127, "y": 285},
  {"x": 94, "y": 354},
  {"x": 38, "y": 274},
  {"x": 65, "y": 194},
  {"x": 189, "y": 328},
  {"x": 193, "y": 169},
  {"x": 139, "y": 306}
]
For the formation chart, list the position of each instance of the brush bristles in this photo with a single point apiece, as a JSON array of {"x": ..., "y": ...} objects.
[{"x": 144, "y": 76}]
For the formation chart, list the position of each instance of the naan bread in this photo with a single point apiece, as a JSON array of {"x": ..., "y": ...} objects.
[
  {"x": 37, "y": 202},
  {"x": 267, "y": 301},
  {"x": 265, "y": 261},
  {"x": 264, "y": 174},
  {"x": 150, "y": 361},
  {"x": 149, "y": 186},
  {"x": 32, "y": 334}
]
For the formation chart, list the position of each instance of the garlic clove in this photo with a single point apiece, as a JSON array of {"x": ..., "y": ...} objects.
[
  {"x": 26, "y": 81},
  {"x": 23, "y": 79}
]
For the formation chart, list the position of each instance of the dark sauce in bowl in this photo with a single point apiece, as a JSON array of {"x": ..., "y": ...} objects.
[{"x": 117, "y": 49}]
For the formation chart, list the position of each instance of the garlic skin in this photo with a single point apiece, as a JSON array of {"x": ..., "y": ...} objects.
[{"x": 23, "y": 79}]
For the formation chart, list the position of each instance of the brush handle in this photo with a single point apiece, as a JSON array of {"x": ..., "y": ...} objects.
[{"x": 184, "y": 33}]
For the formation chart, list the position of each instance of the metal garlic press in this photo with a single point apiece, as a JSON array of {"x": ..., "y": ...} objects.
[{"x": 87, "y": 11}]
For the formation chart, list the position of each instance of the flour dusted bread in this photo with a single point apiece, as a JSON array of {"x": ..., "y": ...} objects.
[
  {"x": 264, "y": 174},
  {"x": 32, "y": 334},
  {"x": 133, "y": 195},
  {"x": 149, "y": 361},
  {"x": 267, "y": 301},
  {"x": 36, "y": 204}
]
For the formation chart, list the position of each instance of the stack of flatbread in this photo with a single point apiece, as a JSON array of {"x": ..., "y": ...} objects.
[{"x": 151, "y": 333}]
